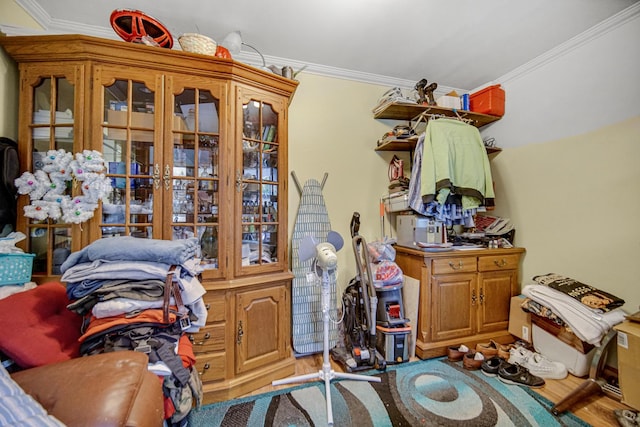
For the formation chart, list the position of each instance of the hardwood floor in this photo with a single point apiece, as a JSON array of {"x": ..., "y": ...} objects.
[{"x": 596, "y": 410}]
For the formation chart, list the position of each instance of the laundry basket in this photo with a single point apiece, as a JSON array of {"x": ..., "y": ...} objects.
[{"x": 15, "y": 269}]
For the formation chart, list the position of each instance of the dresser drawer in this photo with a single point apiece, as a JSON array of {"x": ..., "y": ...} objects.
[
  {"x": 216, "y": 306},
  {"x": 211, "y": 367},
  {"x": 209, "y": 338},
  {"x": 454, "y": 265},
  {"x": 498, "y": 262}
]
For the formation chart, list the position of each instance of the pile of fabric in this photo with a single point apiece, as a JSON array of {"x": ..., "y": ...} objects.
[
  {"x": 451, "y": 175},
  {"x": 586, "y": 311},
  {"x": 142, "y": 295}
]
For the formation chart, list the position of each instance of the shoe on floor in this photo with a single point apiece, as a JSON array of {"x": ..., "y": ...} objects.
[
  {"x": 491, "y": 366},
  {"x": 489, "y": 349},
  {"x": 456, "y": 353},
  {"x": 472, "y": 360},
  {"x": 519, "y": 375},
  {"x": 537, "y": 364},
  {"x": 626, "y": 418},
  {"x": 504, "y": 351}
]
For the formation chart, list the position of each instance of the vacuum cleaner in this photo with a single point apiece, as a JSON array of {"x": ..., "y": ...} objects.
[{"x": 359, "y": 350}]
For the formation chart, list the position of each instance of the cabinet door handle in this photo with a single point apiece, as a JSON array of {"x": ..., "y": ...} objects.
[
  {"x": 481, "y": 296},
  {"x": 473, "y": 297},
  {"x": 167, "y": 177},
  {"x": 238, "y": 181},
  {"x": 458, "y": 267},
  {"x": 500, "y": 263},
  {"x": 156, "y": 176},
  {"x": 240, "y": 333}
]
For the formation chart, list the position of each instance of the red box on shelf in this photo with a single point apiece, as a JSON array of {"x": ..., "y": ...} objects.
[{"x": 489, "y": 100}]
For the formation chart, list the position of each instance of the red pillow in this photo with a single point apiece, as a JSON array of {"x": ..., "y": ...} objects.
[{"x": 36, "y": 328}]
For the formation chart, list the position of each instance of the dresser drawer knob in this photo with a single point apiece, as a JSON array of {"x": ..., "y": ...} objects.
[
  {"x": 204, "y": 338},
  {"x": 500, "y": 263},
  {"x": 204, "y": 368},
  {"x": 458, "y": 267}
]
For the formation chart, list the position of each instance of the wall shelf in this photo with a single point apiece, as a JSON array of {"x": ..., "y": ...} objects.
[
  {"x": 410, "y": 145},
  {"x": 399, "y": 111}
]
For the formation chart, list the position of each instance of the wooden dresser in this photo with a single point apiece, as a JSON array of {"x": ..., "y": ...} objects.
[{"x": 464, "y": 296}]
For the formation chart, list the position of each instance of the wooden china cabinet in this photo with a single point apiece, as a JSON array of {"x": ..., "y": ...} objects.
[{"x": 196, "y": 146}]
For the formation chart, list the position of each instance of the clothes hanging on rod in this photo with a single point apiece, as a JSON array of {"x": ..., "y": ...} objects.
[
  {"x": 451, "y": 175},
  {"x": 426, "y": 116}
]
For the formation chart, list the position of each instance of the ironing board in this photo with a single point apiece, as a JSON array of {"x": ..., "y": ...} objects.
[{"x": 312, "y": 219}]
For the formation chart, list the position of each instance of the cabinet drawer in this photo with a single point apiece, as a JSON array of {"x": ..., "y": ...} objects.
[
  {"x": 216, "y": 307},
  {"x": 454, "y": 265},
  {"x": 209, "y": 338},
  {"x": 211, "y": 367},
  {"x": 498, "y": 262}
]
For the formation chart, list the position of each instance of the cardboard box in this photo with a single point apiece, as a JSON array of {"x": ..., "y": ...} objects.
[
  {"x": 519, "y": 320},
  {"x": 449, "y": 102},
  {"x": 629, "y": 362},
  {"x": 489, "y": 100}
]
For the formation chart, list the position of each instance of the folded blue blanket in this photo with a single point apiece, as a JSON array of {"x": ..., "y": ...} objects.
[{"x": 127, "y": 248}]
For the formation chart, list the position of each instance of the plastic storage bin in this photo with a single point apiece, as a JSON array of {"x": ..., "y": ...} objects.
[
  {"x": 489, "y": 100},
  {"x": 15, "y": 269}
]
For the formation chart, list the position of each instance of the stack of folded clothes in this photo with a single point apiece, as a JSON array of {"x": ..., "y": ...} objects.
[
  {"x": 142, "y": 295},
  {"x": 589, "y": 312}
]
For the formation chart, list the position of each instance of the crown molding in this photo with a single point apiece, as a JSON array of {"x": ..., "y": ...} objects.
[
  {"x": 59, "y": 26},
  {"x": 630, "y": 13}
]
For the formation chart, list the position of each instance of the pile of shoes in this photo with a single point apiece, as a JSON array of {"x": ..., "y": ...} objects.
[
  {"x": 513, "y": 363},
  {"x": 627, "y": 417}
]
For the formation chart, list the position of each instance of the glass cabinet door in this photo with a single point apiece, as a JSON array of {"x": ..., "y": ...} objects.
[
  {"x": 258, "y": 183},
  {"x": 191, "y": 174},
  {"x": 51, "y": 113},
  {"x": 129, "y": 129}
]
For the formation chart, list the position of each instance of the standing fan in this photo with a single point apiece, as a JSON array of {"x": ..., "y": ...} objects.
[{"x": 325, "y": 261}]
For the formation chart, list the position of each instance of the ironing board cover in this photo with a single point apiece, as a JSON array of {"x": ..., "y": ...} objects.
[{"x": 312, "y": 220}]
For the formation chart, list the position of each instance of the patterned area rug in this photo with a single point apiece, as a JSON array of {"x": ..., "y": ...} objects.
[{"x": 425, "y": 393}]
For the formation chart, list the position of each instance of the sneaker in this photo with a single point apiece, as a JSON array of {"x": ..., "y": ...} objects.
[
  {"x": 490, "y": 367},
  {"x": 455, "y": 354},
  {"x": 518, "y": 375},
  {"x": 472, "y": 360},
  {"x": 537, "y": 364},
  {"x": 519, "y": 355},
  {"x": 626, "y": 417}
]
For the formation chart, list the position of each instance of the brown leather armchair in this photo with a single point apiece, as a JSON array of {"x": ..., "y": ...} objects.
[{"x": 110, "y": 389}]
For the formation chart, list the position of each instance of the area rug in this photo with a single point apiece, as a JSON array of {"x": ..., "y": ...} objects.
[{"x": 432, "y": 392}]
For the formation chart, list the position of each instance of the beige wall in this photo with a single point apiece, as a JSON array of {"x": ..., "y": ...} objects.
[
  {"x": 332, "y": 130},
  {"x": 10, "y": 13},
  {"x": 575, "y": 203}
]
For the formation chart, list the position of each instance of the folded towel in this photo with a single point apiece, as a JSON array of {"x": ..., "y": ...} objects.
[{"x": 127, "y": 248}]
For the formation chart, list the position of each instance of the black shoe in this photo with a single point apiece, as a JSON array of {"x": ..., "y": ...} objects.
[
  {"x": 518, "y": 375},
  {"x": 491, "y": 366}
]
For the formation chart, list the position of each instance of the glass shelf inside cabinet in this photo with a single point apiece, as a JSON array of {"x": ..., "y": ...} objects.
[
  {"x": 194, "y": 174},
  {"x": 259, "y": 184},
  {"x": 128, "y": 147}
]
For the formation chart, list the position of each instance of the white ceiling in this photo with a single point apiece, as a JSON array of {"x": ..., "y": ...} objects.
[{"x": 460, "y": 44}]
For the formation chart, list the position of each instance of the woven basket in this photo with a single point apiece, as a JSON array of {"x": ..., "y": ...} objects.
[{"x": 197, "y": 43}]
